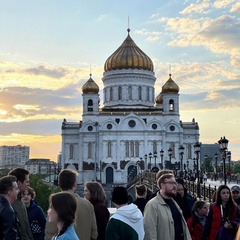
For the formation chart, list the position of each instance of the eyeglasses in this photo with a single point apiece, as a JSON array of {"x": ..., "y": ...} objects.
[{"x": 172, "y": 183}]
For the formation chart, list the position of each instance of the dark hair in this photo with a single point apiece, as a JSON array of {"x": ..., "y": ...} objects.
[
  {"x": 66, "y": 179},
  {"x": 6, "y": 184},
  {"x": 96, "y": 191},
  {"x": 163, "y": 178},
  {"x": 197, "y": 205},
  {"x": 230, "y": 205},
  {"x": 141, "y": 190},
  {"x": 65, "y": 205},
  {"x": 30, "y": 191},
  {"x": 19, "y": 173}
]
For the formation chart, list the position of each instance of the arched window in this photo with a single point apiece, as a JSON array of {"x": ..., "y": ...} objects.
[
  {"x": 140, "y": 93},
  {"x": 154, "y": 146},
  {"x": 148, "y": 94},
  {"x": 109, "y": 146},
  {"x": 136, "y": 149},
  {"x": 119, "y": 93},
  {"x": 172, "y": 146},
  {"x": 71, "y": 151},
  {"x": 171, "y": 105},
  {"x": 127, "y": 149},
  {"x": 189, "y": 151},
  {"x": 89, "y": 150},
  {"x": 130, "y": 93},
  {"x": 111, "y": 94},
  {"x": 90, "y": 105},
  {"x": 132, "y": 149}
]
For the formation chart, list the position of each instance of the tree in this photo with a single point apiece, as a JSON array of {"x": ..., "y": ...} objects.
[{"x": 43, "y": 190}]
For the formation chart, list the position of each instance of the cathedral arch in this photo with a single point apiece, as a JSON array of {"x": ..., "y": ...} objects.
[
  {"x": 109, "y": 175},
  {"x": 171, "y": 105}
]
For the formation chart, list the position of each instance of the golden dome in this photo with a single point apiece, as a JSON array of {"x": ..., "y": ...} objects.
[
  {"x": 128, "y": 55},
  {"x": 170, "y": 86},
  {"x": 90, "y": 87},
  {"x": 159, "y": 98}
]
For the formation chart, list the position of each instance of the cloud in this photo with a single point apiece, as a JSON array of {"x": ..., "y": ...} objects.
[
  {"x": 223, "y": 3},
  {"x": 235, "y": 8},
  {"x": 196, "y": 7}
]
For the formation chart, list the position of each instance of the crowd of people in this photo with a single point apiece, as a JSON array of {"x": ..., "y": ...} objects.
[{"x": 170, "y": 213}]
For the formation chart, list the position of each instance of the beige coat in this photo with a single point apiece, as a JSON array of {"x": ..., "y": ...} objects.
[
  {"x": 85, "y": 221},
  {"x": 158, "y": 221}
]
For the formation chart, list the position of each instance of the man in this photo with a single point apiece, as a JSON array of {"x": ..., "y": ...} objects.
[
  {"x": 235, "y": 190},
  {"x": 127, "y": 221},
  {"x": 8, "y": 194},
  {"x": 163, "y": 218},
  {"x": 22, "y": 176},
  {"x": 85, "y": 220}
]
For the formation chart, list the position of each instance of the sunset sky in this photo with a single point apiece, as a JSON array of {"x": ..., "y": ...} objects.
[{"x": 48, "y": 46}]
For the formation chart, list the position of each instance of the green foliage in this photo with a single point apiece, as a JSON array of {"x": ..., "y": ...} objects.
[{"x": 42, "y": 189}]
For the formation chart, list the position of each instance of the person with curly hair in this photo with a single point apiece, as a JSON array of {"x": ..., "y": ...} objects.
[{"x": 62, "y": 208}]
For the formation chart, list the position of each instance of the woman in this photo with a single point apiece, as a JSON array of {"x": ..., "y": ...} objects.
[
  {"x": 62, "y": 208},
  {"x": 141, "y": 193},
  {"x": 36, "y": 217},
  {"x": 222, "y": 213},
  {"x": 94, "y": 192},
  {"x": 197, "y": 221}
]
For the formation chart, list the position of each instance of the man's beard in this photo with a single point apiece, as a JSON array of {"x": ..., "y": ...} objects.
[{"x": 171, "y": 193}]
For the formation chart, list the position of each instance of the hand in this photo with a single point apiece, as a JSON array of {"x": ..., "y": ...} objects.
[{"x": 228, "y": 225}]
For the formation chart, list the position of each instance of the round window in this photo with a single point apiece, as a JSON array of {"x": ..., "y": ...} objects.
[
  {"x": 109, "y": 126},
  {"x": 172, "y": 128},
  {"x": 90, "y": 128},
  {"x": 131, "y": 123},
  {"x": 154, "y": 126}
]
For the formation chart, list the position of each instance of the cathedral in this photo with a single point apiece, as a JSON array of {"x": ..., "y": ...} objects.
[{"x": 133, "y": 131}]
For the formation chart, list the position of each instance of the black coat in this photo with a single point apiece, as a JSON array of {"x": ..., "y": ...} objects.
[
  {"x": 141, "y": 203},
  {"x": 8, "y": 221}
]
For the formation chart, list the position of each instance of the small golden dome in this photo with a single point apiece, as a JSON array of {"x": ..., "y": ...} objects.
[
  {"x": 90, "y": 87},
  {"x": 159, "y": 98},
  {"x": 170, "y": 86},
  {"x": 128, "y": 56}
]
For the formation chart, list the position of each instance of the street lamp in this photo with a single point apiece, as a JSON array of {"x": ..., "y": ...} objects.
[
  {"x": 150, "y": 158},
  {"x": 170, "y": 151},
  {"x": 205, "y": 163},
  {"x": 197, "y": 151},
  {"x": 181, "y": 151},
  {"x": 155, "y": 157},
  {"x": 223, "y": 143},
  {"x": 229, "y": 166},
  {"x": 146, "y": 165},
  {"x": 216, "y": 165},
  {"x": 161, "y": 155}
]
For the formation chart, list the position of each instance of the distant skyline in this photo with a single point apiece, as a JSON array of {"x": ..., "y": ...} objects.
[{"x": 47, "y": 48}]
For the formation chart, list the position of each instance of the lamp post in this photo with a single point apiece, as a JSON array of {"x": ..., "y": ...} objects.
[
  {"x": 170, "y": 155},
  {"x": 161, "y": 155},
  {"x": 229, "y": 166},
  {"x": 155, "y": 169},
  {"x": 146, "y": 165},
  {"x": 181, "y": 151},
  {"x": 150, "y": 160},
  {"x": 223, "y": 143},
  {"x": 197, "y": 151},
  {"x": 216, "y": 165},
  {"x": 205, "y": 163}
]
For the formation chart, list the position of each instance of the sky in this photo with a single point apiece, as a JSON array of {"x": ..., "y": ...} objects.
[{"x": 48, "y": 49}]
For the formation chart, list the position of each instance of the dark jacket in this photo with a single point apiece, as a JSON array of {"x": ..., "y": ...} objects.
[
  {"x": 37, "y": 221},
  {"x": 8, "y": 221},
  {"x": 102, "y": 216},
  {"x": 141, "y": 203}
]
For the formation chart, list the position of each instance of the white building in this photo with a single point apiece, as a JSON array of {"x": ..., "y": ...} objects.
[
  {"x": 115, "y": 142},
  {"x": 14, "y": 155}
]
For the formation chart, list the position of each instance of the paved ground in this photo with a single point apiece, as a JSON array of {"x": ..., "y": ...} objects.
[{"x": 218, "y": 183}]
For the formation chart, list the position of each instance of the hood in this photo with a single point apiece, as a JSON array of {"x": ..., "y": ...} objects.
[{"x": 131, "y": 212}]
